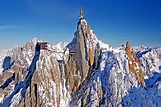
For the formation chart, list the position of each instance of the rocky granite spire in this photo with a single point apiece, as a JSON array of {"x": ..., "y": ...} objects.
[{"x": 81, "y": 56}]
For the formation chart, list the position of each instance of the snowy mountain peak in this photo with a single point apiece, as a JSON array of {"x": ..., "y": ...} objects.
[
  {"x": 85, "y": 72},
  {"x": 36, "y": 40}
]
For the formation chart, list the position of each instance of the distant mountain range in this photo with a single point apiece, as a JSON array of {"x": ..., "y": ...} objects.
[{"x": 82, "y": 73}]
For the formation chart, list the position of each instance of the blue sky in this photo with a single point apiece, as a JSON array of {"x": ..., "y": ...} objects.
[{"x": 114, "y": 21}]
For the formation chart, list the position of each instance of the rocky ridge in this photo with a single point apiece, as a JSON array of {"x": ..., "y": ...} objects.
[{"x": 85, "y": 72}]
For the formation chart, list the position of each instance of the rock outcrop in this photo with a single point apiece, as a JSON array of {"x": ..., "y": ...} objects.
[{"x": 134, "y": 64}]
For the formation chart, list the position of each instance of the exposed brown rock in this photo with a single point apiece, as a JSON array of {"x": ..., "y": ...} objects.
[
  {"x": 134, "y": 64},
  {"x": 7, "y": 74},
  {"x": 91, "y": 57},
  {"x": 15, "y": 68},
  {"x": 1, "y": 80}
]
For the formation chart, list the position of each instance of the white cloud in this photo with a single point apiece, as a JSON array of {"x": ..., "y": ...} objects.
[{"x": 4, "y": 27}]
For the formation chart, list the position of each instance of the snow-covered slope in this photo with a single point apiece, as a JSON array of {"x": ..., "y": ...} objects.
[{"x": 82, "y": 73}]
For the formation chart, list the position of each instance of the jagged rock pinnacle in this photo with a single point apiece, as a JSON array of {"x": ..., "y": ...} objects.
[{"x": 134, "y": 64}]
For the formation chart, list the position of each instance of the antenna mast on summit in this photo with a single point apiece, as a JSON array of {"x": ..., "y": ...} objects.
[{"x": 81, "y": 12}]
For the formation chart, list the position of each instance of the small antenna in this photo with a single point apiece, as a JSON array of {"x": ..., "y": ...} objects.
[{"x": 81, "y": 12}]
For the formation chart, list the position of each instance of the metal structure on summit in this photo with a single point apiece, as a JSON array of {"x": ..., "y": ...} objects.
[
  {"x": 81, "y": 13},
  {"x": 43, "y": 45}
]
